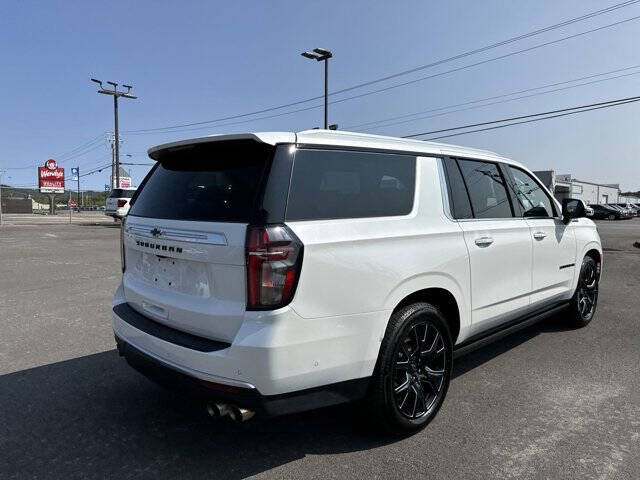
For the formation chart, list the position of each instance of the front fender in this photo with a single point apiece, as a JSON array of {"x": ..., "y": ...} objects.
[{"x": 582, "y": 252}]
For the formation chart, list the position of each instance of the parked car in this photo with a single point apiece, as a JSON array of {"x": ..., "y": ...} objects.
[
  {"x": 630, "y": 208},
  {"x": 606, "y": 212},
  {"x": 280, "y": 272},
  {"x": 118, "y": 202},
  {"x": 626, "y": 213}
]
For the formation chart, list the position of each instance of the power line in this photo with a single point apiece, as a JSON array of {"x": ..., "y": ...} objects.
[
  {"x": 489, "y": 60},
  {"x": 472, "y": 102},
  {"x": 425, "y": 111},
  {"x": 168, "y": 129},
  {"x": 80, "y": 147},
  {"x": 81, "y": 154},
  {"x": 178, "y": 128},
  {"x": 534, "y": 120},
  {"x": 79, "y": 151},
  {"x": 492, "y": 46},
  {"x": 579, "y": 108}
]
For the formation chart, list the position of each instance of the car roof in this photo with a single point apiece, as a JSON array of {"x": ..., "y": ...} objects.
[{"x": 340, "y": 138}]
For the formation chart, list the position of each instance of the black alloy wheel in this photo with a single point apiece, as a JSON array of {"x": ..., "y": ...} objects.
[
  {"x": 588, "y": 290},
  {"x": 419, "y": 370},
  {"x": 413, "y": 371},
  {"x": 585, "y": 299}
]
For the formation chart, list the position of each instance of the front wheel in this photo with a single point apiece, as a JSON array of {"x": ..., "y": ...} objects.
[
  {"x": 585, "y": 299},
  {"x": 413, "y": 371}
]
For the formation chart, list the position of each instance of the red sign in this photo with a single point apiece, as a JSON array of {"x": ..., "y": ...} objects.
[
  {"x": 125, "y": 182},
  {"x": 51, "y": 177},
  {"x": 73, "y": 203}
]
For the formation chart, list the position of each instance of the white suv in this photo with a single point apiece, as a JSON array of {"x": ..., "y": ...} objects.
[
  {"x": 118, "y": 202},
  {"x": 279, "y": 272}
]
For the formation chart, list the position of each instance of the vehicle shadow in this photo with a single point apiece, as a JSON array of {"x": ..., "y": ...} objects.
[
  {"x": 95, "y": 416},
  {"x": 478, "y": 357},
  {"x": 97, "y": 224}
]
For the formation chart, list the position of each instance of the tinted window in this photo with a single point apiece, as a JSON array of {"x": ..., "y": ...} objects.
[
  {"x": 460, "y": 206},
  {"x": 206, "y": 182},
  {"x": 486, "y": 189},
  {"x": 533, "y": 201},
  {"x": 121, "y": 193},
  {"x": 332, "y": 184}
]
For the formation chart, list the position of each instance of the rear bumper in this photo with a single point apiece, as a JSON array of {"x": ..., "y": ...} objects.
[
  {"x": 277, "y": 363},
  {"x": 120, "y": 213},
  {"x": 243, "y": 396}
]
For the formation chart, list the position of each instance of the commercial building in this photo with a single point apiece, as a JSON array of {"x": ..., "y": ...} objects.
[
  {"x": 629, "y": 199},
  {"x": 565, "y": 186}
]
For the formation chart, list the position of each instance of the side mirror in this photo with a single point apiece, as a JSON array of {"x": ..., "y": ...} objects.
[{"x": 572, "y": 208}]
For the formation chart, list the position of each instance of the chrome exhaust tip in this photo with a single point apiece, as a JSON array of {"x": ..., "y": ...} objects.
[
  {"x": 239, "y": 414},
  {"x": 235, "y": 413},
  {"x": 217, "y": 409}
]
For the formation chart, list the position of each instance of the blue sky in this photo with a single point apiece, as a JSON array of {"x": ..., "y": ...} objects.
[{"x": 194, "y": 60}]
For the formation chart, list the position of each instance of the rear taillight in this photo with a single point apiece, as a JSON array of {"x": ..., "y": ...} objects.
[
  {"x": 121, "y": 203},
  {"x": 274, "y": 258},
  {"x": 123, "y": 263}
]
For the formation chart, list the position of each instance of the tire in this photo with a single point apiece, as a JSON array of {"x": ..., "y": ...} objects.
[
  {"x": 585, "y": 299},
  {"x": 408, "y": 387}
]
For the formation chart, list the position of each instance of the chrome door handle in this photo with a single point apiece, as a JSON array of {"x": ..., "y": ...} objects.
[
  {"x": 539, "y": 235},
  {"x": 484, "y": 241}
]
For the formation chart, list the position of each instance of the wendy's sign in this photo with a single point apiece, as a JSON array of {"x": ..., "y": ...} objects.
[{"x": 51, "y": 177}]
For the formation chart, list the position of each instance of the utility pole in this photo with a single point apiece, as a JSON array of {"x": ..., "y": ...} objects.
[
  {"x": 113, "y": 162},
  {"x": 1, "y": 173},
  {"x": 322, "y": 55},
  {"x": 116, "y": 94},
  {"x": 78, "y": 177}
]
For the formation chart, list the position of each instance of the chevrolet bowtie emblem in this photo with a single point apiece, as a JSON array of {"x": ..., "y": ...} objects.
[{"x": 156, "y": 232}]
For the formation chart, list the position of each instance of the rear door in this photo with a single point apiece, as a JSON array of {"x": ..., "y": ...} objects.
[
  {"x": 554, "y": 243},
  {"x": 185, "y": 236},
  {"x": 499, "y": 246}
]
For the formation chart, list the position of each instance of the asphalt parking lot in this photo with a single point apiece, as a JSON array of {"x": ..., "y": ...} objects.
[{"x": 547, "y": 402}]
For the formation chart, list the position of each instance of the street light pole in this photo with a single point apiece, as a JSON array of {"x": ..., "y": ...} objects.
[
  {"x": 326, "y": 94},
  {"x": 116, "y": 94},
  {"x": 322, "y": 55}
]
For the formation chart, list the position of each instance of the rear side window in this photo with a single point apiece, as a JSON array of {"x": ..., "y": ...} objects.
[
  {"x": 460, "y": 205},
  {"x": 121, "y": 193},
  {"x": 486, "y": 188},
  {"x": 219, "y": 181},
  {"x": 328, "y": 184}
]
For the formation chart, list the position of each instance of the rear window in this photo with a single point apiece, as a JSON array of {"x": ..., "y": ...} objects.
[
  {"x": 328, "y": 184},
  {"x": 121, "y": 193},
  {"x": 205, "y": 182}
]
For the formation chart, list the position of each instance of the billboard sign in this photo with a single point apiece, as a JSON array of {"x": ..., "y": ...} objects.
[
  {"x": 51, "y": 177},
  {"x": 125, "y": 182}
]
